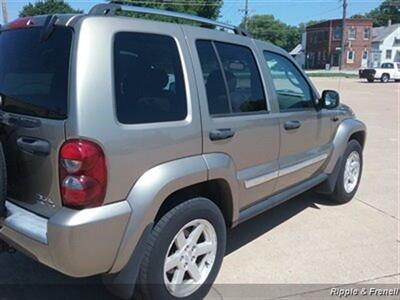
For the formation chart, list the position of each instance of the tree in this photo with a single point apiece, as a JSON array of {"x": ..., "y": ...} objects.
[
  {"x": 209, "y": 9},
  {"x": 47, "y": 7},
  {"x": 388, "y": 10},
  {"x": 267, "y": 28}
]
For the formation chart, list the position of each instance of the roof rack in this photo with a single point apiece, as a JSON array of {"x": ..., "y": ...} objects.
[{"x": 111, "y": 9}]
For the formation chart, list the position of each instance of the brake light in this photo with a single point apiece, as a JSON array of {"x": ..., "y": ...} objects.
[
  {"x": 20, "y": 23},
  {"x": 83, "y": 174}
]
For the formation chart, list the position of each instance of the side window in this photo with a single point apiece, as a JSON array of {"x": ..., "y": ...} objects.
[
  {"x": 149, "y": 82},
  {"x": 293, "y": 91},
  {"x": 233, "y": 82},
  {"x": 218, "y": 102}
]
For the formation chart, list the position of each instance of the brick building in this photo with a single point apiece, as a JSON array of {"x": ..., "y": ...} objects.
[{"x": 324, "y": 44}]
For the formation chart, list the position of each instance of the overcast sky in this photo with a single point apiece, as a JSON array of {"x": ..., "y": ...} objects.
[{"x": 289, "y": 11}]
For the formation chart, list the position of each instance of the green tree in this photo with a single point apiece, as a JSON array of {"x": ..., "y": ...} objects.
[
  {"x": 267, "y": 28},
  {"x": 388, "y": 10},
  {"x": 209, "y": 9},
  {"x": 47, "y": 7}
]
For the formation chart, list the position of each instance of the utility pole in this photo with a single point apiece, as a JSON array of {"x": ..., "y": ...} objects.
[
  {"x": 5, "y": 11},
  {"x": 246, "y": 14},
  {"x": 343, "y": 43}
]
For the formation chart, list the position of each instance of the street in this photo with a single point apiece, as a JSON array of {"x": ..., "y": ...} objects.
[{"x": 307, "y": 241}]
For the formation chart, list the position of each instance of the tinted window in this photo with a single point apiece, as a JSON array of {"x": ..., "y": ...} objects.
[
  {"x": 232, "y": 79},
  {"x": 387, "y": 66},
  {"x": 243, "y": 78},
  {"x": 149, "y": 79},
  {"x": 34, "y": 73},
  {"x": 218, "y": 102},
  {"x": 292, "y": 89}
]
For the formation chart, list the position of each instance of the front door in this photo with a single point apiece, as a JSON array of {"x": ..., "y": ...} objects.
[
  {"x": 305, "y": 132},
  {"x": 236, "y": 118},
  {"x": 364, "y": 60}
]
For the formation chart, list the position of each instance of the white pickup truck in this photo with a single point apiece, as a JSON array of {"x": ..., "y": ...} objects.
[{"x": 388, "y": 71}]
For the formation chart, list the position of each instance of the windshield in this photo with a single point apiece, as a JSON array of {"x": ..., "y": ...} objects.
[{"x": 34, "y": 73}]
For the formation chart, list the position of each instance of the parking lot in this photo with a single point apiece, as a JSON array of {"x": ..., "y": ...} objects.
[{"x": 306, "y": 241}]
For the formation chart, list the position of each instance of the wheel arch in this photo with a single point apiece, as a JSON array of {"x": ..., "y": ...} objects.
[
  {"x": 164, "y": 186},
  {"x": 349, "y": 129}
]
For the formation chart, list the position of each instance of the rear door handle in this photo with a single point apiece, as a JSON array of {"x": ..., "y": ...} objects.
[
  {"x": 292, "y": 125},
  {"x": 221, "y": 134},
  {"x": 34, "y": 146}
]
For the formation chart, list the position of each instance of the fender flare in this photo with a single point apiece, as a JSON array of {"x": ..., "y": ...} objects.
[
  {"x": 145, "y": 200},
  {"x": 345, "y": 130}
]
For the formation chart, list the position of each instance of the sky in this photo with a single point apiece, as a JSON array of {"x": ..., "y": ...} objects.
[{"x": 291, "y": 12}]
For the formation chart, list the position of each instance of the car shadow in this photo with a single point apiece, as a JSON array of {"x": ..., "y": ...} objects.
[
  {"x": 267, "y": 221},
  {"x": 23, "y": 278}
]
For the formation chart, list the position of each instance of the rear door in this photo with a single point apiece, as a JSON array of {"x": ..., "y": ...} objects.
[
  {"x": 306, "y": 133},
  {"x": 34, "y": 90},
  {"x": 236, "y": 116}
]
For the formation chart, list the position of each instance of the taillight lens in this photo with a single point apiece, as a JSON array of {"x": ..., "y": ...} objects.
[{"x": 83, "y": 174}]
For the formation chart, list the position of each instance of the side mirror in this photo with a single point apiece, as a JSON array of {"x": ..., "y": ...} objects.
[{"x": 330, "y": 99}]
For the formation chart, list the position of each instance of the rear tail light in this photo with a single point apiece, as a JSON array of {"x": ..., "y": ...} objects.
[{"x": 83, "y": 174}]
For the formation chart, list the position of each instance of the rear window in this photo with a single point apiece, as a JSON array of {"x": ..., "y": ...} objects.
[{"x": 34, "y": 73}]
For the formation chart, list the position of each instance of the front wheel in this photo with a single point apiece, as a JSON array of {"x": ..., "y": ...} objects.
[
  {"x": 184, "y": 253},
  {"x": 350, "y": 173}
]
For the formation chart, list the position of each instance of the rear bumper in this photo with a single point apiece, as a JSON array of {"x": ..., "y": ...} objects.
[{"x": 77, "y": 243}]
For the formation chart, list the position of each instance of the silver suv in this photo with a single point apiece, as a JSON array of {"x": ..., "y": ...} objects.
[{"x": 132, "y": 145}]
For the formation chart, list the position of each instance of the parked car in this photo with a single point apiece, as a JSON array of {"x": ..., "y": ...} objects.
[
  {"x": 133, "y": 145},
  {"x": 387, "y": 72}
]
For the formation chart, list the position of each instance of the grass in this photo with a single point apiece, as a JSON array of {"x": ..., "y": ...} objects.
[{"x": 331, "y": 74}]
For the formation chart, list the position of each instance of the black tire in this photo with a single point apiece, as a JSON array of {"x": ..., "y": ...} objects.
[
  {"x": 3, "y": 182},
  {"x": 151, "y": 277},
  {"x": 340, "y": 195},
  {"x": 385, "y": 78},
  {"x": 370, "y": 80}
]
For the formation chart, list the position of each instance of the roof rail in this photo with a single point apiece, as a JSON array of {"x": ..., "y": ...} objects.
[{"x": 111, "y": 9}]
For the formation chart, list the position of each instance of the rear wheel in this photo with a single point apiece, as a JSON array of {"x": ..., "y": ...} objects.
[
  {"x": 350, "y": 173},
  {"x": 370, "y": 80},
  {"x": 184, "y": 253},
  {"x": 385, "y": 78}
]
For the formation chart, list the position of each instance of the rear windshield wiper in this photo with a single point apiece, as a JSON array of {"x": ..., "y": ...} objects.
[{"x": 48, "y": 28}]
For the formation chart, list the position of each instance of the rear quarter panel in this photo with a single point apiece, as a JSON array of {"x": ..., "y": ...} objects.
[{"x": 130, "y": 150}]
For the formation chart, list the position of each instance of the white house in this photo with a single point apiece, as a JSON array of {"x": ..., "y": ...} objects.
[
  {"x": 385, "y": 45},
  {"x": 299, "y": 52}
]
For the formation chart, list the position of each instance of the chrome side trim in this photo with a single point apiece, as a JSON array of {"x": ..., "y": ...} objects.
[
  {"x": 261, "y": 179},
  {"x": 283, "y": 172},
  {"x": 302, "y": 165},
  {"x": 26, "y": 223}
]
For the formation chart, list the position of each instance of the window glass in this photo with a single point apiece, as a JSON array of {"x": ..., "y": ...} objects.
[
  {"x": 218, "y": 102},
  {"x": 367, "y": 33},
  {"x": 292, "y": 89},
  {"x": 388, "y": 54},
  {"x": 352, "y": 33},
  {"x": 243, "y": 78},
  {"x": 34, "y": 73},
  {"x": 337, "y": 33},
  {"x": 149, "y": 79},
  {"x": 387, "y": 66},
  {"x": 232, "y": 79}
]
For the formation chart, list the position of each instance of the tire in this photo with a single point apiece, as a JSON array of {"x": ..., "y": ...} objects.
[
  {"x": 341, "y": 194},
  {"x": 370, "y": 80},
  {"x": 385, "y": 78},
  {"x": 3, "y": 183},
  {"x": 152, "y": 283}
]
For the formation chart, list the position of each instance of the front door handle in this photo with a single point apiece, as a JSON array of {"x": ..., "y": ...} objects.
[
  {"x": 292, "y": 125},
  {"x": 34, "y": 146},
  {"x": 221, "y": 134}
]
